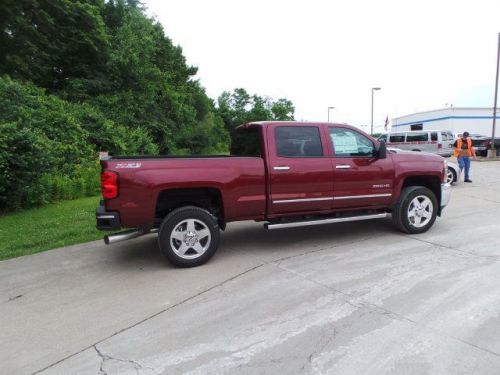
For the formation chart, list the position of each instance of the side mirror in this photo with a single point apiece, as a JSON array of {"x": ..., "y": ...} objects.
[{"x": 381, "y": 151}]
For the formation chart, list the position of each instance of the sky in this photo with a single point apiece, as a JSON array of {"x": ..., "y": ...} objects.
[{"x": 423, "y": 54}]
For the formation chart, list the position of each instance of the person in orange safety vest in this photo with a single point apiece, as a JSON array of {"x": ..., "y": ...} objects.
[{"x": 463, "y": 152}]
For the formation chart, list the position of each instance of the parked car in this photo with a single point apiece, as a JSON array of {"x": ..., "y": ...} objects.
[
  {"x": 285, "y": 174},
  {"x": 438, "y": 142},
  {"x": 453, "y": 172}
]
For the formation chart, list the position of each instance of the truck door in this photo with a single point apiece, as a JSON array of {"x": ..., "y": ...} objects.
[
  {"x": 360, "y": 179},
  {"x": 300, "y": 170}
]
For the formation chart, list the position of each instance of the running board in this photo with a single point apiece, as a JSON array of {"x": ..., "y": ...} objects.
[{"x": 325, "y": 221}]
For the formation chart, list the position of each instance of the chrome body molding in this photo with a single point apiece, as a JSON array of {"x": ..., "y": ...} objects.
[
  {"x": 304, "y": 200},
  {"x": 332, "y": 198},
  {"x": 363, "y": 196}
]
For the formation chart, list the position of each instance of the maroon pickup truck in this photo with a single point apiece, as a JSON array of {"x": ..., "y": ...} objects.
[{"x": 286, "y": 174}]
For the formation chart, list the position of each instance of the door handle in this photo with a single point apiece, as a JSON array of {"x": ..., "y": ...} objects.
[
  {"x": 282, "y": 168},
  {"x": 343, "y": 166}
]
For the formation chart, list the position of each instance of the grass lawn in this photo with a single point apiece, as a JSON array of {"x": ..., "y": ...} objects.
[{"x": 56, "y": 225}]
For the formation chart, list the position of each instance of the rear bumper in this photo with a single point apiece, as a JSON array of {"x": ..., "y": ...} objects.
[
  {"x": 445, "y": 195},
  {"x": 106, "y": 220}
]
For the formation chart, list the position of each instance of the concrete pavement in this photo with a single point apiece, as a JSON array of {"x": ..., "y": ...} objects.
[{"x": 343, "y": 299}]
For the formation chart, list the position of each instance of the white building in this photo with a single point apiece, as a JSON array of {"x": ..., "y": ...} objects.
[{"x": 456, "y": 119}]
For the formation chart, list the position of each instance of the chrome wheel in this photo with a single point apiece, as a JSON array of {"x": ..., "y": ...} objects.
[
  {"x": 420, "y": 211},
  {"x": 449, "y": 176},
  {"x": 190, "y": 238}
]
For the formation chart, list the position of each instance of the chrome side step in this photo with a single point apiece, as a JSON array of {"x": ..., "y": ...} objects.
[{"x": 325, "y": 221}]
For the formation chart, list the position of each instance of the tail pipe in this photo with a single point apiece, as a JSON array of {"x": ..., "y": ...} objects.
[{"x": 127, "y": 235}]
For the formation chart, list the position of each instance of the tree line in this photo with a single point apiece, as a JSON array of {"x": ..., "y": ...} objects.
[{"x": 82, "y": 76}]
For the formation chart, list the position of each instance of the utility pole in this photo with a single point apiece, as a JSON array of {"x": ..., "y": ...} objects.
[
  {"x": 492, "y": 153},
  {"x": 332, "y": 108},
  {"x": 373, "y": 89}
]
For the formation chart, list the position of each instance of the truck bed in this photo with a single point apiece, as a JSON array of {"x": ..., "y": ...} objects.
[{"x": 241, "y": 182}]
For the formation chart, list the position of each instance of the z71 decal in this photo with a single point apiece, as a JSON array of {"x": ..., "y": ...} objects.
[{"x": 128, "y": 165}]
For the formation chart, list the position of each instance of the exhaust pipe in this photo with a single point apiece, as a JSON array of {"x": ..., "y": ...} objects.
[{"x": 126, "y": 235}]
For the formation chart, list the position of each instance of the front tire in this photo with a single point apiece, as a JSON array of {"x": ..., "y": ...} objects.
[
  {"x": 416, "y": 210},
  {"x": 189, "y": 236}
]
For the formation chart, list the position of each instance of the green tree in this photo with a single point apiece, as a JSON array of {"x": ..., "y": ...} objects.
[
  {"x": 153, "y": 85},
  {"x": 283, "y": 110},
  {"x": 240, "y": 107},
  {"x": 53, "y": 42}
]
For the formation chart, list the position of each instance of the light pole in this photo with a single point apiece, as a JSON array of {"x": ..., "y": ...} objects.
[
  {"x": 332, "y": 108},
  {"x": 493, "y": 153},
  {"x": 373, "y": 89}
]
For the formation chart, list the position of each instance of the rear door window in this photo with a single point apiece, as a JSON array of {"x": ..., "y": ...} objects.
[
  {"x": 246, "y": 141},
  {"x": 298, "y": 142}
]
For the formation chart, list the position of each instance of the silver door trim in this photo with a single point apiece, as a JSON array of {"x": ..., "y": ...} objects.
[
  {"x": 304, "y": 200},
  {"x": 343, "y": 166},
  {"x": 282, "y": 168},
  {"x": 363, "y": 196}
]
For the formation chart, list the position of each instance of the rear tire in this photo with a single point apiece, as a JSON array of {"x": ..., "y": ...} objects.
[
  {"x": 416, "y": 210},
  {"x": 189, "y": 236}
]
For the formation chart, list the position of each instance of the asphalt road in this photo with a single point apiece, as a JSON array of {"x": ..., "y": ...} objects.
[{"x": 352, "y": 298}]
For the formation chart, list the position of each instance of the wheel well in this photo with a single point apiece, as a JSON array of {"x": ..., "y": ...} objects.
[
  {"x": 208, "y": 198},
  {"x": 433, "y": 183}
]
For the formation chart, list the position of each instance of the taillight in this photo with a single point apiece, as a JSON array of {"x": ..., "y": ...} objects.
[{"x": 109, "y": 184}]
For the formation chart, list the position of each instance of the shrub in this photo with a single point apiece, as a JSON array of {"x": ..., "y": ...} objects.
[{"x": 45, "y": 153}]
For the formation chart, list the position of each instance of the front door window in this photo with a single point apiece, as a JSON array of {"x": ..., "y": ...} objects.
[{"x": 348, "y": 143}]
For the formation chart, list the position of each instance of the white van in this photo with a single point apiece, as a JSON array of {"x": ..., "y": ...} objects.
[{"x": 434, "y": 141}]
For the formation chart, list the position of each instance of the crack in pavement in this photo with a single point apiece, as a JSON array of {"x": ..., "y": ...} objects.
[
  {"x": 377, "y": 309},
  {"x": 14, "y": 297},
  {"x": 105, "y": 357},
  {"x": 148, "y": 318},
  {"x": 326, "y": 339},
  {"x": 94, "y": 345},
  {"x": 458, "y": 250}
]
